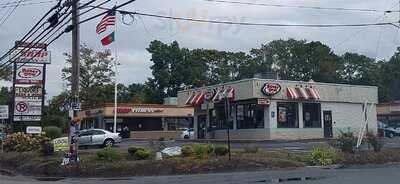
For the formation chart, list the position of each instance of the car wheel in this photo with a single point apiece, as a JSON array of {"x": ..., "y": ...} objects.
[
  {"x": 186, "y": 137},
  {"x": 108, "y": 143},
  {"x": 391, "y": 135}
]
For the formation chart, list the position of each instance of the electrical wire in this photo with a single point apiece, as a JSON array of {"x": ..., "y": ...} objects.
[
  {"x": 32, "y": 31},
  {"x": 108, "y": 9},
  {"x": 59, "y": 35},
  {"x": 15, "y": 2},
  {"x": 55, "y": 7},
  {"x": 25, "y": 50},
  {"x": 27, "y": 4},
  {"x": 10, "y": 13},
  {"x": 300, "y": 6},
  {"x": 250, "y": 23}
]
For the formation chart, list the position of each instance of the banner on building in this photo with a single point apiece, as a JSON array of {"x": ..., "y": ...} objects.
[{"x": 29, "y": 75}]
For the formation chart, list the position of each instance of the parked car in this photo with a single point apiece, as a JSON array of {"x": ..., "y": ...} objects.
[
  {"x": 187, "y": 133},
  {"x": 99, "y": 137},
  {"x": 392, "y": 132}
]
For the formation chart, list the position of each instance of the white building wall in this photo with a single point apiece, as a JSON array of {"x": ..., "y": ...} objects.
[{"x": 349, "y": 117}]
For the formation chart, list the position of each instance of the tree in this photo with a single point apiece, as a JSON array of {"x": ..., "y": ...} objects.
[
  {"x": 6, "y": 73},
  {"x": 357, "y": 69},
  {"x": 388, "y": 78},
  {"x": 53, "y": 114},
  {"x": 296, "y": 60},
  {"x": 4, "y": 96},
  {"x": 95, "y": 74}
]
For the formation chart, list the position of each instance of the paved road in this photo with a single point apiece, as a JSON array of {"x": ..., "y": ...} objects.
[
  {"x": 268, "y": 145},
  {"x": 388, "y": 174}
]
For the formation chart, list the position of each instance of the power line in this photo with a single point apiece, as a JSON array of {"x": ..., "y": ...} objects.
[
  {"x": 108, "y": 9},
  {"x": 10, "y": 61},
  {"x": 33, "y": 30},
  {"x": 299, "y": 6},
  {"x": 15, "y": 2},
  {"x": 251, "y": 23},
  {"x": 67, "y": 29},
  {"x": 10, "y": 13},
  {"x": 27, "y": 4}
]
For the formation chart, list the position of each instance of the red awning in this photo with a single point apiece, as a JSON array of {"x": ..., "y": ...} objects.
[
  {"x": 230, "y": 93},
  {"x": 292, "y": 93},
  {"x": 224, "y": 93},
  {"x": 191, "y": 96},
  {"x": 216, "y": 97},
  {"x": 314, "y": 94},
  {"x": 302, "y": 94},
  {"x": 199, "y": 98}
]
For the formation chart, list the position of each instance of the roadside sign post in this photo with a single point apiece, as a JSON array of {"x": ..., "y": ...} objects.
[{"x": 28, "y": 84}]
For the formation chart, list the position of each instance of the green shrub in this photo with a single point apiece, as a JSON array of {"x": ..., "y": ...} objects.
[
  {"x": 323, "y": 156},
  {"x": 108, "y": 154},
  {"x": 250, "y": 148},
  {"x": 187, "y": 150},
  {"x": 157, "y": 146},
  {"x": 221, "y": 150},
  {"x": 346, "y": 142},
  {"x": 374, "y": 141},
  {"x": 53, "y": 132},
  {"x": 142, "y": 154},
  {"x": 20, "y": 142},
  {"x": 203, "y": 150},
  {"x": 132, "y": 150}
]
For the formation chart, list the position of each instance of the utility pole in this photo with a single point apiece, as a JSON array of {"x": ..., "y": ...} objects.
[
  {"x": 75, "y": 52},
  {"x": 74, "y": 125}
]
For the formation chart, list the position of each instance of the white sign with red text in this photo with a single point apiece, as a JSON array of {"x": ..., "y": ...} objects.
[
  {"x": 29, "y": 75},
  {"x": 31, "y": 56}
]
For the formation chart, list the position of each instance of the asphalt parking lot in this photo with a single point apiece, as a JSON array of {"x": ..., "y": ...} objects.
[{"x": 301, "y": 145}]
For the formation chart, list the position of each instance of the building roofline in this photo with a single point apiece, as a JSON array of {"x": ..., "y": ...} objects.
[
  {"x": 276, "y": 80},
  {"x": 133, "y": 104}
]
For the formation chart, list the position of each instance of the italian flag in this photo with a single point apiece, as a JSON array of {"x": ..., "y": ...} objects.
[{"x": 108, "y": 39}]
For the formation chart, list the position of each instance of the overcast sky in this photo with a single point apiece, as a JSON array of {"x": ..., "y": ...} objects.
[{"x": 132, "y": 40}]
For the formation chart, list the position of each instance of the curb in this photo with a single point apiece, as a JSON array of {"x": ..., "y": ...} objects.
[
  {"x": 235, "y": 141},
  {"x": 6, "y": 172}
]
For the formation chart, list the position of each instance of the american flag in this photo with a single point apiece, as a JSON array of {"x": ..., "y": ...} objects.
[{"x": 107, "y": 20}]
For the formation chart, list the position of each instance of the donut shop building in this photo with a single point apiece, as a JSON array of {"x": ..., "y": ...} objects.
[{"x": 265, "y": 109}]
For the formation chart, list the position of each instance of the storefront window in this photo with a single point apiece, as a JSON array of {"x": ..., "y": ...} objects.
[
  {"x": 288, "y": 115},
  {"x": 249, "y": 116},
  {"x": 178, "y": 123},
  {"x": 312, "y": 115},
  {"x": 218, "y": 116}
]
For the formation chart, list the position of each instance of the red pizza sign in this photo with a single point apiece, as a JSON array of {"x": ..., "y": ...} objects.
[
  {"x": 29, "y": 75},
  {"x": 270, "y": 89}
]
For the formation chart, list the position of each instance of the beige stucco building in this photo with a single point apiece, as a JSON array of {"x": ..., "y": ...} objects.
[
  {"x": 144, "y": 121},
  {"x": 263, "y": 109}
]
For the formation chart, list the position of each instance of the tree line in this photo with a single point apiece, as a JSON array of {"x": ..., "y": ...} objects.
[{"x": 175, "y": 68}]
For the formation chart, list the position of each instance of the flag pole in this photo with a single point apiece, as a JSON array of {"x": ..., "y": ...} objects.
[{"x": 115, "y": 82}]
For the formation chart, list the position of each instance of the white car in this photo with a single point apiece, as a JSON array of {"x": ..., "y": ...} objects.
[
  {"x": 187, "y": 133},
  {"x": 99, "y": 137}
]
